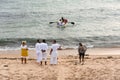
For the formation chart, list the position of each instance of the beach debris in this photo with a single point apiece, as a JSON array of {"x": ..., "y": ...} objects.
[
  {"x": 69, "y": 48},
  {"x": 10, "y": 58},
  {"x": 86, "y": 54},
  {"x": 76, "y": 57},
  {"x": 5, "y": 65},
  {"x": 87, "y": 58},
  {"x": 82, "y": 63},
  {"x": 31, "y": 59},
  {"x": 70, "y": 56},
  {"x": 75, "y": 63},
  {"x": 109, "y": 57}
]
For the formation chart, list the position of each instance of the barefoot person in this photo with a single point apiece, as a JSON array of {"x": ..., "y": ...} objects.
[
  {"x": 44, "y": 47},
  {"x": 53, "y": 52},
  {"x": 24, "y": 52},
  {"x": 81, "y": 51},
  {"x": 38, "y": 51}
]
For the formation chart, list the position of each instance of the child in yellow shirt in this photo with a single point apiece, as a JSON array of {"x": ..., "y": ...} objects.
[{"x": 24, "y": 52}]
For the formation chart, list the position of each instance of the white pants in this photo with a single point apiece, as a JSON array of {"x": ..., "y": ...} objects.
[
  {"x": 44, "y": 56},
  {"x": 39, "y": 56},
  {"x": 53, "y": 60}
]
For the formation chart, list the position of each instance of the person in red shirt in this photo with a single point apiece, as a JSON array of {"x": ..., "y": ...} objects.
[{"x": 64, "y": 21}]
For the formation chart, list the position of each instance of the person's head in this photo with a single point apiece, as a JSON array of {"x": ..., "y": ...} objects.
[
  {"x": 80, "y": 44},
  {"x": 38, "y": 40},
  {"x": 62, "y": 18},
  {"x": 23, "y": 43},
  {"x": 54, "y": 41},
  {"x": 44, "y": 41}
]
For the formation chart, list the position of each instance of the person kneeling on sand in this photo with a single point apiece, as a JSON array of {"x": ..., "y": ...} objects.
[
  {"x": 53, "y": 53},
  {"x": 81, "y": 50},
  {"x": 24, "y": 52}
]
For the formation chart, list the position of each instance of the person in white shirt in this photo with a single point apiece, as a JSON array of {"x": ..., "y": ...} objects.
[
  {"x": 59, "y": 23},
  {"x": 53, "y": 53},
  {"x": 44, "y": 47},
  {"x": 38, "y": 51}
]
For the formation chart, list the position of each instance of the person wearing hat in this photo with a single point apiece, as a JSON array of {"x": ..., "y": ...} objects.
[{"x": 24, "y": 52}]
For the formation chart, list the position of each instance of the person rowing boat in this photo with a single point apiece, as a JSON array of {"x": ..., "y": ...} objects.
[{"x": 62, "y": 22}]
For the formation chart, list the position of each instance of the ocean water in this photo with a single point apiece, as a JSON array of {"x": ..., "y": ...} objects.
[{"x": 97, "y": 22}]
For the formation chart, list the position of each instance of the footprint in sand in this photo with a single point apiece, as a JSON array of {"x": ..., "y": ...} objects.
[{"x": 4, "y": 72}]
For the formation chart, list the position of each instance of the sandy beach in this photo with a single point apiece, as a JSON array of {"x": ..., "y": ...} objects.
[{"x": 100, "y": 64}]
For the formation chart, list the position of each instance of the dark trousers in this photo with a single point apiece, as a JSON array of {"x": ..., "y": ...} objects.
[{"x": 81, "y": 56}]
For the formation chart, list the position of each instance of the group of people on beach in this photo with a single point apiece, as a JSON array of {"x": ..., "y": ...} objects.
[{"x": 41, "y": 52}]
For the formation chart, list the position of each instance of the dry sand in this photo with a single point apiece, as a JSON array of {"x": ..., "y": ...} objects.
[{"x": 101, "y": 64}]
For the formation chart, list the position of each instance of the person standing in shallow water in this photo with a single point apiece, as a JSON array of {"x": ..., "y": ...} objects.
[
  {"x": 24, "y": 52},
  {"x": 81, "y": 51}
]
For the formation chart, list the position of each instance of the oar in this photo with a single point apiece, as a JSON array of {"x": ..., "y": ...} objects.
[
  {"x": 68, "y": 22},
  {"x": 52, "y": 22},
  {"x": 72, "y": 22}
]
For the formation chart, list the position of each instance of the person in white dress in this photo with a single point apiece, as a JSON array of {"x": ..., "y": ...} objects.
[
  {"x": 38, "y": 51},
  {"x": 44, "y": 48},
  {"x": 53, "y": 53}
]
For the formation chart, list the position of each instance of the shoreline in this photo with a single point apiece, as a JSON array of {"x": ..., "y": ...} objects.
[{"x": 64, "y": 52}]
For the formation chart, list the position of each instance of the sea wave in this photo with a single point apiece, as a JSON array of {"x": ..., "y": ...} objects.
[{"x": 104, "y": 41}]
